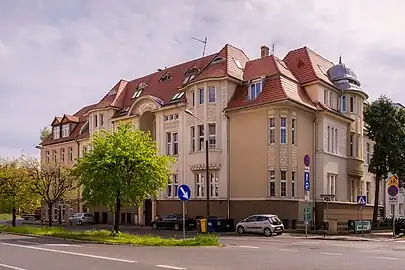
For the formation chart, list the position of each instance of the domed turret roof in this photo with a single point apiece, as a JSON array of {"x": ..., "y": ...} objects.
[{"x": 343, "y": 77}]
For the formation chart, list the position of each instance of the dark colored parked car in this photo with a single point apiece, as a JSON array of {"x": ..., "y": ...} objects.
[{"x": 173, "y": 222}]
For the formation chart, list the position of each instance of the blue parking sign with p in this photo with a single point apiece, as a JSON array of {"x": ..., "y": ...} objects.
[{"x": 306, "y": 181}]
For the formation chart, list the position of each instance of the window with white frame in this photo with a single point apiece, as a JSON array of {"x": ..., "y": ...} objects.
[
  {"x": 84, "y": 151},
  {"x": 201, "y": 95},
  {"x": 95, "y": 121},
  {"x": 331, "y": 184},
  {"x": 328, "y": 138},
  {"x": 192, "y": 134},
  {"x": 272, "y": 130},
  {"x": 56, "y": 132},
  {"x": 358, "y": 146},
  {"x": 214, "y": 185},
  {"x": 293, "y": 131},
  {"x": 331, "y": 99},
  {"x": 212, "y": 135},
  {"x": 199, "y": 184},
  {"x": 353, "y": 191},
  {"x": 168, "y": 143},
  {"x": 70, "y": 154},
  {"x": 200, "y": 137},
  {"x": 54, "y": 156},
  {"x": 193, "y": 98},
  {"x": 65, "y": 130},
  {"x": 325, "y": 97},
  {"x": 272, "y": 183},
  {"x": 62, "y": 154},
  {"x": 344, "y": 104},
  {"x": 48, "y": 158},
  {"x": 336, "y": 141},
  {"x": 352, "y": 104},
  {"x": 283, "y": 183},
  {"x": 172, "y": 143},
  {"x": 283, "y": 130},
  {"x": 367, "y": 153},
  {"x": 333, "y": 139},
  {"x": 293, "y": 177},
  {"x": 211, "y": 94},
  {"x": 172, "y": 187},
  {"x": 101, "y": 120},
  {"x": 255, "y": 88}
]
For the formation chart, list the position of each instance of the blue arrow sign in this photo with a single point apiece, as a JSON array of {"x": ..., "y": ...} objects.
[
  {"x": 362, "y": 200},
  {"x": 306, "y": 181},
  {"x": 184, "y": 193}
]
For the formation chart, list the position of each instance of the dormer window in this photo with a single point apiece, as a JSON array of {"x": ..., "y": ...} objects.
[
  {"x": 190, "y": 74},
  {"x": 255, "y": 88},
  {"x": 217, "y": 59},
  {"x": 166, "y": 77},
  {"x": 56, "y": 132},
  {"x": 65, "y": 130},
  {"x": 322, "y": 70},
  {"x": 178, "y": 96},
  {"x": 137, "y": 94},
  {"x": 142, "y": 86}
]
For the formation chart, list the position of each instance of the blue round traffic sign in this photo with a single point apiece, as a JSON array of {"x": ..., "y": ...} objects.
[
  {"x": 184, "y": 193},
  {"x": 393, "y": 190},
  {"x": 307, "y": 160}
]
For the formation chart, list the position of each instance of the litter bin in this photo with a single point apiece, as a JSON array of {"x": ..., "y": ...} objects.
[{"x": 203, "y": 225}]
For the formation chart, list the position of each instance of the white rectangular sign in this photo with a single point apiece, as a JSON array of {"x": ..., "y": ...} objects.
[{"x": 392, "y": 200}]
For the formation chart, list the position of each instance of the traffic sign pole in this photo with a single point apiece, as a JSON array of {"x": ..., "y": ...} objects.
[
  {"x": 307, "y": 162},
  {"x": 184, "y": 194}
]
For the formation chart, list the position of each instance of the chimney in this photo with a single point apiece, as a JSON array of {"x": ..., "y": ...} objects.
[{"x": 264, "y": 51}]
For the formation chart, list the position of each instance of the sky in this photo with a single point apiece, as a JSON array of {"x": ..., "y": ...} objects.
[{"x": 58, "y": 56}]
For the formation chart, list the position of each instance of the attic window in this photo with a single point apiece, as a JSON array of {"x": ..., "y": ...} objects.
[
  {"x": 255, "y": 88},
  {"x": 137, "y": 94},
  {"x": 322, "y": 70},
  {"x": 190, "y": 74},
  {"x": 178, "y": 96},
  {"x": 112, "y": 92},
  {"x": 142, "y": 86},
  {"x": 217, "y": 60},
  {"x": 166, "y": 77},
  {"x": 237, "y": 63},
  {"x": 300, "y": 63}
]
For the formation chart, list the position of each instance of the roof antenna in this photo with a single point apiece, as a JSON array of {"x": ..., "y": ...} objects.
[
  {"x": 273, "y": 48},
  {"x": 340, "y": 59},
  {"x": 204, "y": 42}
]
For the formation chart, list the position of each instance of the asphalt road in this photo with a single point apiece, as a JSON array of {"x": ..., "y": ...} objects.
[{"x": 25, "y": 253}]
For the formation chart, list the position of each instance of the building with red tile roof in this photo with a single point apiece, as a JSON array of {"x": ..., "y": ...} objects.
[{"x": 260, "y": 118}]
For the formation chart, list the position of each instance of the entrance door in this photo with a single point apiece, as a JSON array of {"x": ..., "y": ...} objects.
[{"x": 147, "y": 212}]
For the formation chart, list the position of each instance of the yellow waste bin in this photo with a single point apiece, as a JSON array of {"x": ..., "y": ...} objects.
[{"x": 204, "y": 225}]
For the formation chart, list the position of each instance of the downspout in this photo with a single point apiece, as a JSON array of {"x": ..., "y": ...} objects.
[
  {"x": 314, "y": 175},
  {"x": 228, "y": 157}
]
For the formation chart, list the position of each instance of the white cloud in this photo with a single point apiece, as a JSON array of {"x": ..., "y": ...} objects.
[{"x": 57, "y": 56}]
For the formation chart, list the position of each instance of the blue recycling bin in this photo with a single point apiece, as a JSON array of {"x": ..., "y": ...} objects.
[{"x": 212, "y": 225}]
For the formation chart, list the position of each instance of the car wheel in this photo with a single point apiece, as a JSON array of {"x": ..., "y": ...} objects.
[
  {"x": 154, "y": 226},
  {"x": 80, "y": 222},
  {"x": 176, "y": 227},
  {"x": 279, "y": 233},
  {"x": 267, "y": 232},
  {"x": 70, "y": 222},
  {"x": 241, "y": 230}
]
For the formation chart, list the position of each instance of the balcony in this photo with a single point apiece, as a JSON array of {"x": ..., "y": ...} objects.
[{"x": 355, "y": 166}]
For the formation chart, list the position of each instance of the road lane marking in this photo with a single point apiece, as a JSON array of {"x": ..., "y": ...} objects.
[
  {"x": 384, "y": 258},
  {"x": 248, "y": 247},
  {"x": 331, "y": 253},
  {"x": 11, "y": 267},
  {"x": 288, "y": 250},
  {"x": 71, "y": 253},
  {"x": 63, "y": 245},
  {"x": 170, "y": 267},
  {"x": 27, "y": 242}
]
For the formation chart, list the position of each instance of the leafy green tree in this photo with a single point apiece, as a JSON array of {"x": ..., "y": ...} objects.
[
  {"x": 45, "y": 132},
  {"x": 52, "y": 182},
  {"x": 15, "y": 189},
  {"x": 385, "y": 126},
  {"x": 123, "y": 167}
]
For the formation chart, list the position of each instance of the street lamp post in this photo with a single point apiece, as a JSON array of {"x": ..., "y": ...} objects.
[{"x": 207, "y": 171}]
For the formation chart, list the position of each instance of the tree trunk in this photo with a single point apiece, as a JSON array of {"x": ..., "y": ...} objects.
[
  {"x": 117, "y": 214},
  {"x": 13, "y": 217},
  {"x": 50, "y": 214},
  {"x": 376, "y": 195}
]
